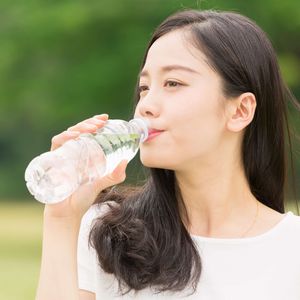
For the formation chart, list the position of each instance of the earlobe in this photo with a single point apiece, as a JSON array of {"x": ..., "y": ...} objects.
[{"x": 242, "y": 112}]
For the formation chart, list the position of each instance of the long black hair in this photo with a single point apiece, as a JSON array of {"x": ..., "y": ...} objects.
[{"x": 142, "y": 239}]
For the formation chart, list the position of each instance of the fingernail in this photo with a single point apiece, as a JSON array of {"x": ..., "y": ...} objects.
[
  {"x": 101, "y": 116},
  {"x": 99, "y": 120}
]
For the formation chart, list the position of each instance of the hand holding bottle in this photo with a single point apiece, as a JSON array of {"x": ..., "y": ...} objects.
[{"x": 79, "y": 202}]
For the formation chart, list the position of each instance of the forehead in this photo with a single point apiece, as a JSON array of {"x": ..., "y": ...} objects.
[{"x": 174, "y": 48}]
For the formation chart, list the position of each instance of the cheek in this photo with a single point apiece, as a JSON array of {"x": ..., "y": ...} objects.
[
  {"x": 200, "y": 125},
  {"x": 166, "y": 151},
  {"x": 198, "y": 135},
  {"x": 158, "y": 152},
  {"x": 178, "y": 147},
  {"x": 194, "y": 132}
]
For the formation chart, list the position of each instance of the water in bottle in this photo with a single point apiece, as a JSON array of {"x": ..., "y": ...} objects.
[{"x": 55, "y": 175}]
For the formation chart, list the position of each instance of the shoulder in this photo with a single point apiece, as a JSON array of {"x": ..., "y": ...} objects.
[
  {"x": 289, "y": 231},
  {"x": 94, "y": 212},
  {"x": 283, "y": 229},
  {"x": 293, "y": 222},
  {"x": 271, "y": 220},
  {"x": 289, "y": 244},
  {"x": 87, "y": 266},
  {"x": 85, "y": 252}
]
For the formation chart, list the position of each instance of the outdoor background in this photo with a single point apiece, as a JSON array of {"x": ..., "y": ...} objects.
[{"x": 64, "y": 61}]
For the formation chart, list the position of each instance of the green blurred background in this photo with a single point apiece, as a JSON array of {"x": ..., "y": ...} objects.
[{"x": 64, "y": 61}]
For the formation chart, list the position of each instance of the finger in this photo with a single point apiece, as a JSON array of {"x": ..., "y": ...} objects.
[
  {"x": 63, "y": 137},
  {"x": 95, "y": 121},
  {"x": 102, "y": 117},
  {"x": 119, "y": 173},
  {"x": 117, "y": 176},
  {"x": 83, "y": 127},
  {"x": 89, "y": 124}
]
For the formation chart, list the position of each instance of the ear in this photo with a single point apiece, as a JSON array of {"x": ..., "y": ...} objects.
[{"x": 240, "y": 112}]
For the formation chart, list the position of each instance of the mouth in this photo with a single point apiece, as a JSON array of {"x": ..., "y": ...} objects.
[{"x": 152, "y": 133}]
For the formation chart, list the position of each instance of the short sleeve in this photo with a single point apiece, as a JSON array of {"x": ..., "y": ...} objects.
[{"x": 86, "y": 255}]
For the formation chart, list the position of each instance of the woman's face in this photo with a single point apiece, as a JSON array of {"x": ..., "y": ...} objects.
[{"x": 181, "y": 95}]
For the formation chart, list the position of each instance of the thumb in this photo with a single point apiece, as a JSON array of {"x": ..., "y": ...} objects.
[{"x": 118, "y": 175}]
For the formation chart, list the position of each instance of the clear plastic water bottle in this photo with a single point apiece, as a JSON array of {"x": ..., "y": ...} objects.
[{"x": 53, "y": 176}]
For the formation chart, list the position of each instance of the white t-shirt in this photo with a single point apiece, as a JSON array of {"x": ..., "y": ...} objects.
[{"x": 264, "y": 267}]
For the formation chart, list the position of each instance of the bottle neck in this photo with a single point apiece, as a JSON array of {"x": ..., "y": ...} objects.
[{"x": 141, "y": 126}]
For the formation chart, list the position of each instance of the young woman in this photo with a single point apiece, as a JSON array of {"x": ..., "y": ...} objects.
[{"x": 210, "y": 221}]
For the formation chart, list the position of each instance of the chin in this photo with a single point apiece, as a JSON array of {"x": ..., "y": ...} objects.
[
  {"x": 155, "y": 163},
  {"x": 151, "y": 165}
]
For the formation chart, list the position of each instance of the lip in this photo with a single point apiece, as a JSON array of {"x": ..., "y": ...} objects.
[{"x": 152, "y": 133}]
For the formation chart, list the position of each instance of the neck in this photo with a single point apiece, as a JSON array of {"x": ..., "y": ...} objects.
[{"x": 217, "y": 198}]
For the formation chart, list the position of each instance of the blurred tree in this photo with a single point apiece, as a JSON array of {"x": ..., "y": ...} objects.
[{"x": 63, "y": 61}]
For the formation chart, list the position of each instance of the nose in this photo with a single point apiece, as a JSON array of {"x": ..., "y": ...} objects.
[{"x": 148, "y": 106}]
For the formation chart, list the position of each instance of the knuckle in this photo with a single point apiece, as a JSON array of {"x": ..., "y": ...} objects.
[
  {"x": 118, "y": 178},
  {"x": 110, "y": 180},
  {"x": 54, "y": 139}
]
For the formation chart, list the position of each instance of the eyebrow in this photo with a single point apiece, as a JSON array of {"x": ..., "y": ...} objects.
[{"x": 169, "y": 68}]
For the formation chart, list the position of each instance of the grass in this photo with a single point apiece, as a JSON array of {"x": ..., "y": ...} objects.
[{"x": 20, "y": 249}]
